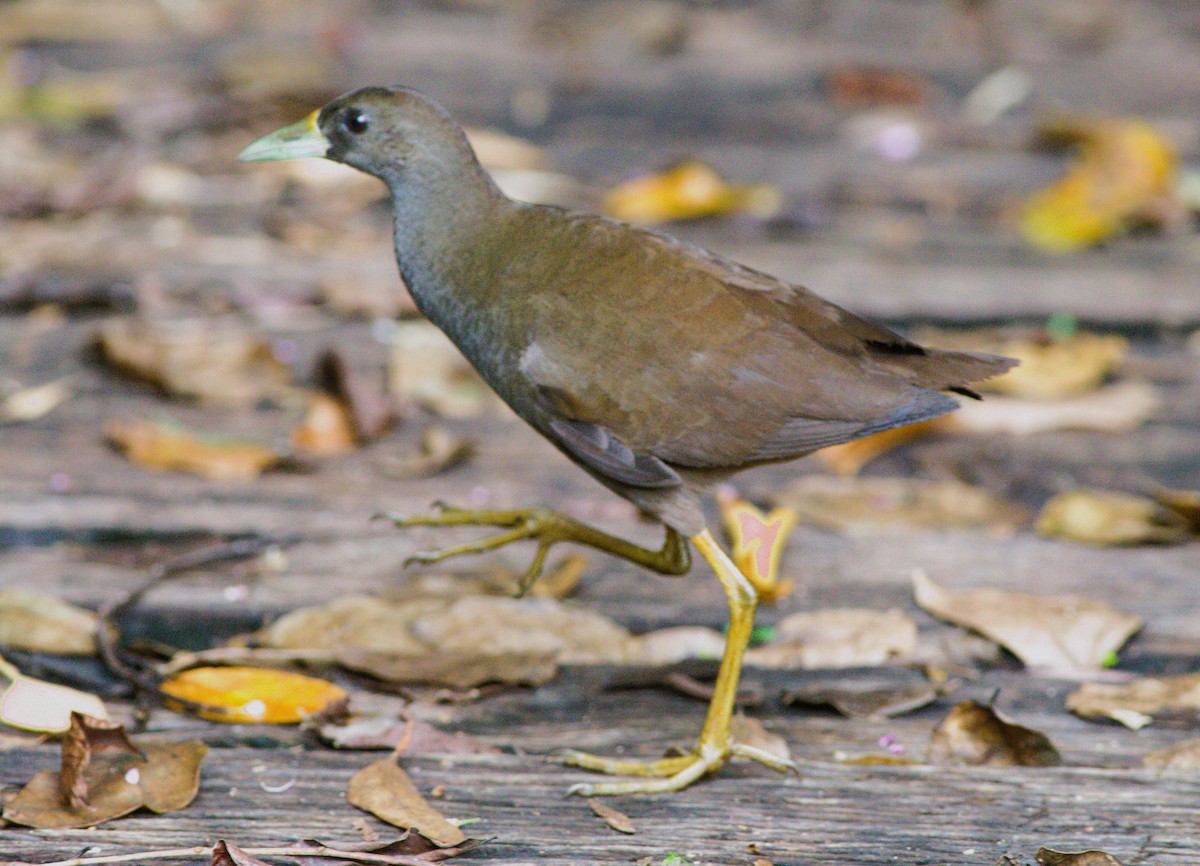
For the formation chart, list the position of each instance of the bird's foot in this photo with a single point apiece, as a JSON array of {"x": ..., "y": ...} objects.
[
  {"x": 546, "y": 526},
  {"x": 672, "y": 773}
]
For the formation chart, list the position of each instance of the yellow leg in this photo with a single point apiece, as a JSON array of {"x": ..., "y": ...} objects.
[{"x": 716, "y": 743}]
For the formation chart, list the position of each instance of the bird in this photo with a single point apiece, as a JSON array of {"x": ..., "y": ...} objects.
[{"x": 658, "y": 367}]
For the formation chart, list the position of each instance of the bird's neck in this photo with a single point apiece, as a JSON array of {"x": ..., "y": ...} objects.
[{"x": 442, "y": 229}]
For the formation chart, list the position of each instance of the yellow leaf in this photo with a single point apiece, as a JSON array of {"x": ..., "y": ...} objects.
[
  {"x": 1123, "y": 168},
  {"x": 247, "y": 695},
  {"x": 164, "y": 446},
  {"x": 688, "y": 190}
]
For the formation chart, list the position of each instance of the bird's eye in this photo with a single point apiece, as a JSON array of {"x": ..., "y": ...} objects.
[{"x": 356, "y": 122}]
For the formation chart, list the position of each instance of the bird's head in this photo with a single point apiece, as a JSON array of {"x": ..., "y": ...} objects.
[{"x": 389, "y": 132}]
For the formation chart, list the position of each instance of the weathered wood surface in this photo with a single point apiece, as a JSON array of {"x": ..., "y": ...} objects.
[{"x": 916, "y": 242}]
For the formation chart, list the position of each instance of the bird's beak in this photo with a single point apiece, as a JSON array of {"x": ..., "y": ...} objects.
[{"x": 300, "y": 139}]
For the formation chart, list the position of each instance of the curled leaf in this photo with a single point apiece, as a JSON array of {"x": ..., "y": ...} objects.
[
  {"x": 974, "y": 734},
  {"x": 1124, "y": 169}
]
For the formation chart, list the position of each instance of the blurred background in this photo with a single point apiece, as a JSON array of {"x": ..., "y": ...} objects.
[{"x": 1009, "y": 175}]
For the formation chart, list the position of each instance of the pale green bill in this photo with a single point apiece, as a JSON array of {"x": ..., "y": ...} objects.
[{"x": 300, "y": 139}]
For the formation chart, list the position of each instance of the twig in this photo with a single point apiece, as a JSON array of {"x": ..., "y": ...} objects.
[
  {"x": 204, "y": 851},
  {"x": 108, "y": 636},
  {"x": 225, "y": 655}
]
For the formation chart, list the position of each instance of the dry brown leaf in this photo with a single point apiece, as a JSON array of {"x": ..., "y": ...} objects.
[
  {"x": 36, "y": 622},
  {"x": 1136, "y": 704},
  {"x": 453, "y": 670},
  {"x": 1185, "y": 503},
  {"x": 252, "y": 695},
  {"x": 389, "y": 732},
  {"x": 687, "y": 190},
  {"x": 118, "y": 783},
  {"x": 838, "y": 638},
  {"x": 1047, "y": 857},
  {"x": 973, "y": 734},
  {"x": 877, "y": 703},
  {"x": 170, "y": 447},
  {"x": 750, "y": 732},
  {"x": 1181, "y": 756},
  {"x": 425, "y": 368},
  {"x": 386, "y": 791},
  {"x": 439, "y": 450},
  {"x": 206, "y": 359},
  {"x": 890, "y": 505},
  {"x": 1108, "y": 518},
  {"x": 1116, "y": 408},
  {"x": 370, "y": 410},
  {"x": 618, "y": 821},
  {"x": 87, "y": 736},
  {"x": 1060, "y": 632}
]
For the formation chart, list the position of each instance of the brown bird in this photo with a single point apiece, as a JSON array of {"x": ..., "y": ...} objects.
[{"x": 656, "y": 366}]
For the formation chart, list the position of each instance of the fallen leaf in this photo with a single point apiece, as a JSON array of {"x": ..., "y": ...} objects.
[
  {"x": 386, "y": 791},
  {"x": 860, "y": 86},
  {"x": 36, "y": 622},
  {"x": 1181, "y": 756},
  {"x": 1057, "y": 361},
  {"x": 879, "y": 761},
  {"x": 88, "y": 736},
  {"x": 425, "y": 368},
  {"x": 325, "y": 429},
  {"x": 893, "y": 505},
  {"x": 369, "y": 408},
  {"x": 29, "y": 404},
  {"x": 1046, "y": 857},
  {"x": 687, "y": 190},
  {"x": 852, "y": 702},
  {"x": 206, "y": 359},
  {"x": 439, "y": 450},
  {"x": 453, "y": 670},
  {"x": 118, "y": 783},
  {"x": 1185, "y": 503},
  {"x": 227, "y": 854},
  {"x": 1108, "y": 518},
  {"x": 411, "y": 849},
  {"x": 1124, "y": 169},
  {"x": 758, "y": 541},
  {"x": 388, "y": 732},
  {"x": 36, "y": 705},
  {"x": 666, "y": 646},
  {"x": 838, "y": 638},
  {"x": 974, "y": 735},
  {"x": 750, "y": 732},
  {"x": 618, "y": 821},
  {"x": 252, "y": 695},
  {"x": 1059, "y": 632},
  {"x": 1116, "y": 408},
  {"x": 170, "y": 447},
  {"x": 849, "y": 458},
  {"x": 1138, "y": 703}
]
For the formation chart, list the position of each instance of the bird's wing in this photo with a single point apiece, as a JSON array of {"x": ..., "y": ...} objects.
[{"x": 673, "y": 354}]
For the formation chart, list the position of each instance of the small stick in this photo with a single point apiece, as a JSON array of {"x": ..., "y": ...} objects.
[{"x": 204, "y": 851}]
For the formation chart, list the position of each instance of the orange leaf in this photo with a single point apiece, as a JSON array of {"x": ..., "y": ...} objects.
[
  {"x": 325, "y": 429},
  {"x": 166, "y": 446},
  {"x": 244, "y": 694}
]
